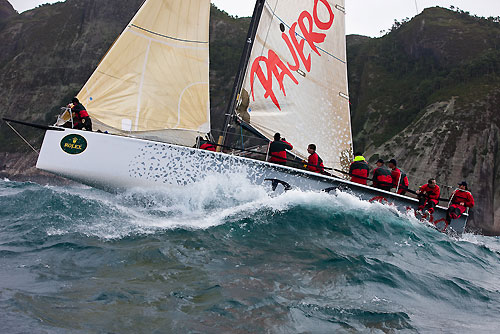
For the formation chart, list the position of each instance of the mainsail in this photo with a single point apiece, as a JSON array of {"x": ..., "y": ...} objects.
[
  {"x": 296, "y": 78},
  {"x": 153, "y": 82}
]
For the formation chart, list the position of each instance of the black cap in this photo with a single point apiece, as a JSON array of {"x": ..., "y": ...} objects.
[
  {"x": 393, "y": 161},
  {"x": 463, "y": 183},
  {"x": 75, "y": 100},
  {"x": 380, "y": 160}
]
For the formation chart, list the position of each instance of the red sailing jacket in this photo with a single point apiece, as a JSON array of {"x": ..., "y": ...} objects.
[
  {"x": 395, "y": 174},
  {"x": 382, "y": 177},
  {"x": 80, "y": 111},
  {"x": 433, "y": 193},
  {"x": 313, "y": 162},
  {"x": 359, "y": 168},
  {"x": 277, "y": 151},
  {"x": 462, "y": 196},
  {"x": 208, "y": 146}
]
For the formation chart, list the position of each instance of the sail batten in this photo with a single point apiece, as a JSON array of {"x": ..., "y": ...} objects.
[
  {"x": 173, "y": 42},
  {"x": 154, "y": 79},
  {"x": 169, "y": 37}
]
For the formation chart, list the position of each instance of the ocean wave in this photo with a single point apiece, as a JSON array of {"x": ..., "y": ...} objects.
[{"x": 293, "y": 262}]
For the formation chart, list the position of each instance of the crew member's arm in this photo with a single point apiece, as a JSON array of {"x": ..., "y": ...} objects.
[
  {"x": 470, "y": 200},
  {"x": 374, "y": 176},
  {"x": 288, "y": 146}
]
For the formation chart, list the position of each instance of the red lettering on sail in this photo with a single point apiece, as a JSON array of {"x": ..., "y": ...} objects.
[
  {"x": 322, "y": 25},
  {"x": 274, "y": 65},
  {"x": 292, "y": 51},
  {"x": 307, "y": 31},
  {"x": 300, "y": 48}
]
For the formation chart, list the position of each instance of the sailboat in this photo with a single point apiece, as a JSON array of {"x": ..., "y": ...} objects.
[{"x": 149, "y": 101}]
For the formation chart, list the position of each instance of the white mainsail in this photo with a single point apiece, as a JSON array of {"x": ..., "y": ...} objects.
[
  {"x": 153, "y": 82},
  {"x": 297, "y": 77}
]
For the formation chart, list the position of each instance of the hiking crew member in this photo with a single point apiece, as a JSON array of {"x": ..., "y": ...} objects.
[
  {"x": 314, "y": 162},
  {"x": 428, "y": 196},
  {"x": 208, "y": 146},
  {"x": 81, "y": 119},
  {"x": 277, "y": 150},
  {"x": 461, "y": 199},
  {"x": 205, "y": 144},
  {"x": 359, "y": 167},
  {"x": 382, "y": 176},
  {"x": 399, "y": 178}
]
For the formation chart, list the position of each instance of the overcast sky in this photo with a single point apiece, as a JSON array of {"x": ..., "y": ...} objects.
[{"x": 364, "y": 17}]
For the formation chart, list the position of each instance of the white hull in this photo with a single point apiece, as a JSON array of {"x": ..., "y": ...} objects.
[{"x": 114, "y": 163}]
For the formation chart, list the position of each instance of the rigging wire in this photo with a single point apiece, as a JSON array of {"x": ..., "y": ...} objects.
[{"x": 20, "y": 136}]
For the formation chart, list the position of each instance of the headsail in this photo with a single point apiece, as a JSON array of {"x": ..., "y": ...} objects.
[
  {"x": 153, "y": 82},
  {"x": 296, "y": 77}
]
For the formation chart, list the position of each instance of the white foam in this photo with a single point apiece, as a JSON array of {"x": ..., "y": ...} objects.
[
  {"x": 492, "y": 243},
  {"x": 202, "y": 205}
]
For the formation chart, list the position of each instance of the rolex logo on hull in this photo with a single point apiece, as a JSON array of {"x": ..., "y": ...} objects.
[{"x": 73, "y": 144}]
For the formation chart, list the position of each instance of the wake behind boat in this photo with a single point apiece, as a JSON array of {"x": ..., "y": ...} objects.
[{"x": 149, "y": 100}]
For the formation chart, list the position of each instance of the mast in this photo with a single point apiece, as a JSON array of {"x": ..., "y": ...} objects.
[{"x": 245, "y": 56}]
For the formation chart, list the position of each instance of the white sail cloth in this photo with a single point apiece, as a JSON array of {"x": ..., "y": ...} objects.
[
  {"x": 153, "y": 82},
  {"x": 297, "y": 77}
]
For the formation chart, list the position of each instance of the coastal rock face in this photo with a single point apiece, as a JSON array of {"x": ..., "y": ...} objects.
[
  {"x": 6, "y": 10},
  {"x": 427, "y": 93}
]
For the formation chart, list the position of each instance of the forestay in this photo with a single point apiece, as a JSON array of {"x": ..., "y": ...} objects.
[
  {"x": 153, "y": 82},
  {"x": 296, "y": 78}
]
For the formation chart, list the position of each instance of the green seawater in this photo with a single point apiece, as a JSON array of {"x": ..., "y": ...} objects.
[{"x": 231, "y": 258}]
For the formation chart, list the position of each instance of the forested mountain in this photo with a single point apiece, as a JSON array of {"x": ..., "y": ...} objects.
[{"x": 427, "y": 93}]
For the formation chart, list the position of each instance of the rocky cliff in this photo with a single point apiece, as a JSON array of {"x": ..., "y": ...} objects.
[
  {"x": 427, "y": 93},
  {"x": 6, "y": 10}
]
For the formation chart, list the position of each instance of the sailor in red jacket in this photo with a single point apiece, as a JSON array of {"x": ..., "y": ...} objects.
[
  {"x": 205, "y": 144},
  {"x": 314, "y": 162},
  {"x": 208, "y": 146},
  {"x": 359, "y": 167},
  {"x": 81, "y": 119},
  {"x": 461, "y": 199},
  {"x": 277, "y": 149},
  {"x": 382, "y": 176},
  {"x": 428, "y": 196},
  {"x": 399, "y": 178}
]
